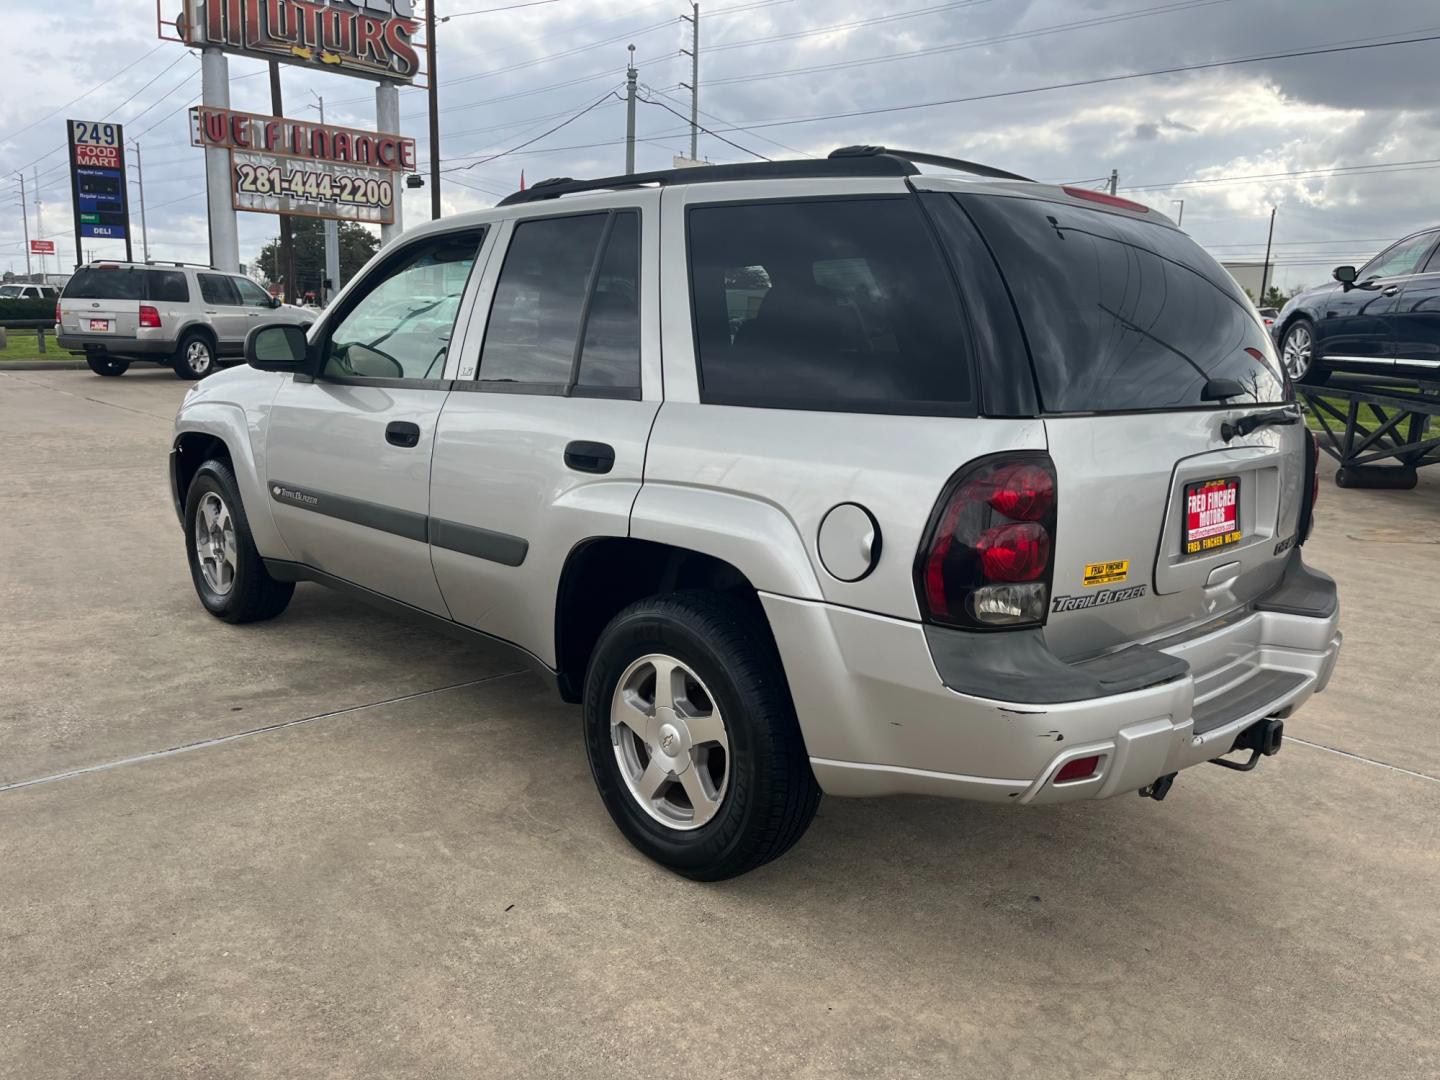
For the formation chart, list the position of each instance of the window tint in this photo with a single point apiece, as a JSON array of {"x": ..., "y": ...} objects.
[
  {"x": 251, "y": 295},
  {"x": 9, "y": 292},
  {"x": 1121, "y": 314},
  {"x": 400, "y": 327},
  {"x": 1402, "y": 258},
  {"x": 539, "y": 301},
  {"x": 106, "y": 283},
  {"x": 832, "y": 304},
  {"x": 217, "y": 289},
  {"x": 610, "y": 357},
  {"x": 167, "y": 286}
]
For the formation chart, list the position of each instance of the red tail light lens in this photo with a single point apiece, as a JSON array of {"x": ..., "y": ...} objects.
[
  {"x": 1079, "y": 769},
  {"x": 149, "y": 317},
  {"x": 1105, "y": 199},
  {"x": 987, "y": 559},
  {"x": 57, "y": 311}
]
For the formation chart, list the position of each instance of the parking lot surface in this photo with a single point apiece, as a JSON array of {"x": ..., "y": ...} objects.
[{"x": 336, "y": 845}]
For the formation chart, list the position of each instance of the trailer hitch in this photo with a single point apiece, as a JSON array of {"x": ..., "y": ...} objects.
[{"x": 1263, "y": 737}]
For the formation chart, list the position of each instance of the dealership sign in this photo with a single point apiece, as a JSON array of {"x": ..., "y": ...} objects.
[
  {"x": 97, "y": 180},
  {"x": 284, "y": 166},
  {"x": 42, "y": 247},
  {"x": 373, "y": 38}
]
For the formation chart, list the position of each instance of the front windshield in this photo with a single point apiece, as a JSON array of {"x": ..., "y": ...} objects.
[{"x": 9, "y": 292}]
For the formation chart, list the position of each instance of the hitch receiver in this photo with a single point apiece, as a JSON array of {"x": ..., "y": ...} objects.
[
  {"x": 1262, "y": 737},
  {"x": 1158, "y": 788}
]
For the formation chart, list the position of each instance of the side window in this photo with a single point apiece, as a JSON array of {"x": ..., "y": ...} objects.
[
  {"x": 400, "y": 325},
  {"x": 166, "y": 287},
  {"x": 216, "y": 289},
  {"x": 251, "y": 295},
  {"x": 1404, "y": 258},
  {"x": 540, "y": 301},
  {"x": 831, "y": 304},
  {"x": 610, "y": 356}
]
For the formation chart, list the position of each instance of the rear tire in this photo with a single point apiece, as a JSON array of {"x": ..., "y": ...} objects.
[
  {"x": 195, "y": 356},
  {"x": 106, "y": 365},
  {"x": 737, "y": 791},
  {"x": 225, "y": 567},
  {"x": 1297, "y": 353}
]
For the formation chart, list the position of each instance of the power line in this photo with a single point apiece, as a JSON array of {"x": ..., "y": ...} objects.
[
  {"x": 487, "y": 11},
  {"x": 1379, "y": 166},
  {"x": 856, "y": 24},
  {"x": 702, "y": 127},
  {"x": 520, "y": 146},
  {"x": 87, "y": 93},
  {"x": 723, "y": 120}
]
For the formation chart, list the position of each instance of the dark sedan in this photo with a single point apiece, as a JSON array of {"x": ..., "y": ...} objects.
[{"x": 1381, "y": 319}]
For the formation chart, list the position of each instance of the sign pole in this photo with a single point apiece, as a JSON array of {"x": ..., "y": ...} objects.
[
  {"x": 433, "y": 94},
  {"x": 387, "y": 118},
  {"x": 124, "y": 190},
  {"x": 224, "y": 236},
  {"x": 287, "y": 236}
]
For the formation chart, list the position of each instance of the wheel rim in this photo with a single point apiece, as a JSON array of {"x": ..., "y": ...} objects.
[
  {"x": 1296, "y": 353},
  {"x": 670, "y": 742},
  {"x": 215, "y": 543},
  {"x": 197, "y": 355}
]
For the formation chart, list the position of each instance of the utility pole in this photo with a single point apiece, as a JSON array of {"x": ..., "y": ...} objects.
[
  {"x": 387, "y": 118},
  {"x": 433, "y": 93},
  {"x": 332, "y": 233},
  {"x": 694, "y": 53},
  {"x": 1114, "y": 181},
  {"x": 1181, "y": 217},
  {"x": 287, "y": 240},
  {"x": 39, "y": 228},
  {"x": 144, "y": 229},
  {"x": 630, "y": 76},
  {"x": 25, "y": 221},
  {"x": 1265, "y": 270}
]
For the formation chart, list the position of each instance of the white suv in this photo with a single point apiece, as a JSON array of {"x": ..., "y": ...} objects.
[
  {"x": 182, "y": 316},
  {"x": 802, "y": 476}
]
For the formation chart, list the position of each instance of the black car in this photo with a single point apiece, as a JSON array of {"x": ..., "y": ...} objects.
[{"x": 1381, "y": 319}]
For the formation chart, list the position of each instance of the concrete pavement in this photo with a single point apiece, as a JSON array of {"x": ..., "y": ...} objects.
[{"x": 392, "y": 878}]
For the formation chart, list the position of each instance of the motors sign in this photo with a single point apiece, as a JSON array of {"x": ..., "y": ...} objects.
[
  {"x": 99, "y": 194},
  {"x": 284, "y": 166},
  {"x": 371, "y": 38}
]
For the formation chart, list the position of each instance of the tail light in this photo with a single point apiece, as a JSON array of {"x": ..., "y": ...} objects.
[
  {"x": 57, "y": 312},
  {"x": 149, "y": 317},
  {"x": 1312, "y": 477},
  {"x": 988, "y": 554}
]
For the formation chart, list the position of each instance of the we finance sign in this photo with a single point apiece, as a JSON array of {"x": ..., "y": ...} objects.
[{"x": 372, "y": 38}]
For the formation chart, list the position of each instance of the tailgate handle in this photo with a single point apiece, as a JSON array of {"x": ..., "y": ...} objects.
[
  {"x": 591, "y": 457},
  {"x": 402, "y": 433},
  {"x": 1223, "y": 575}
]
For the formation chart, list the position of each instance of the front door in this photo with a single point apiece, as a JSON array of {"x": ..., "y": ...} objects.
[
  {"x": 1357, "y": 331},
  {"x": 545, "y": 448},
  {"x": 1417, "y": 321},
  {"x": 348, "y": 453},
  {"x": 260, "y": 310},
  {"x": 224, "y": 311}
]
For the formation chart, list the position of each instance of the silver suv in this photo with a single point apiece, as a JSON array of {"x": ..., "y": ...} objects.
[
  {"x": 182, "y": 316},
  {"x": 801, "y": 476}
]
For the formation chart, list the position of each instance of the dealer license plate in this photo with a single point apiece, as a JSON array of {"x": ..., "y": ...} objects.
[
  {"x": 99, "y": 326},
  {"x": 1212, "y": 515}
]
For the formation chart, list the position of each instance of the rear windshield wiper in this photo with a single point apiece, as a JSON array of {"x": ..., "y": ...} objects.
[{"x": 1255, "y": 421}]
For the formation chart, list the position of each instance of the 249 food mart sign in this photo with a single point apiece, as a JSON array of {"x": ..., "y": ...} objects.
[
  {"x": 371, "y": 38},
  {"x": 283, "y": 166}
]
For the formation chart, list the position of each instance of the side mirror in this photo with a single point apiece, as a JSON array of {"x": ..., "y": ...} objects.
[
  {"x": 277, "y": 348},
  {"x": 1346, "y": 275},
  {"x": 275, "y": 301}
]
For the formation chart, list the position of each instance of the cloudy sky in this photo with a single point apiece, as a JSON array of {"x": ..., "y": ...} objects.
[{"x": 1345, "y": 144}]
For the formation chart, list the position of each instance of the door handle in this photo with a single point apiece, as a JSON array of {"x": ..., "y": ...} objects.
[
  {"x": 591, "y": 457},
  {"x": 1390, "y": 290},
  {"x": 402, "y": 433}
]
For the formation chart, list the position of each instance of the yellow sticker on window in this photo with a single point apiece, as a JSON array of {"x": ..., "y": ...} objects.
[{"x": 1107, "y": 573}]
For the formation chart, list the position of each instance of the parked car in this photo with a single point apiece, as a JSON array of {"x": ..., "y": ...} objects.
[
  {"x": 1268, "y": 315},
  {"x": 1383, "y": 319},
  {"x": 182, "y": 316},
  {"x": 984, "y": 488},
  {"x": 16, "y": 291}
]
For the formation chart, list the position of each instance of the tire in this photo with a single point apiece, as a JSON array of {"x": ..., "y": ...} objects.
[
  {"x": 757, "y": 796},
  {"x": 1297, "y": 353},
  {"x": 240, "y": 591},
  {"x": 101, "y": 364},
  {"x": 194, "y": 356}
]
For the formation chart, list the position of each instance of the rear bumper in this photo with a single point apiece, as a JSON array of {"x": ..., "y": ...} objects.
[
  {"x": 117, "y": 346},
  {"x": 879, "y": 720}
]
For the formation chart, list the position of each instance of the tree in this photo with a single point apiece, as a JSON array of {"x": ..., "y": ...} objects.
[{"x": 357, "y": 244}]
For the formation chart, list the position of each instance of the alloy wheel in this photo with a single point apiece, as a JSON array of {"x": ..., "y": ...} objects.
[
  {"x": 215, "y": 543},
  {"x": 670, "y": 742},
  {"x": 1296, "y": 352},
  {"x": 197, "y": 356}
]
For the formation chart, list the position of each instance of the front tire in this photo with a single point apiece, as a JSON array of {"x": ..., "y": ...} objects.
[
  {"x": 1297, "y": 353},
  {"x": 195, "y": 356},
  {"x": 692, "y": 736},
  {"x": 225, "y": 567},
  {"x": 101, "y": 364}
]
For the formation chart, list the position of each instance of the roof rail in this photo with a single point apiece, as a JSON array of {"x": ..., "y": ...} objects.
[
  {"x": 846, "y": 161},
  {"x": 959, "y": 164}
]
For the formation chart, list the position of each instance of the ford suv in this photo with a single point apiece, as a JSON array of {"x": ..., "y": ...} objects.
[
  {"x": 182, "y": 316},
  {"x": 801, "y": 477}
]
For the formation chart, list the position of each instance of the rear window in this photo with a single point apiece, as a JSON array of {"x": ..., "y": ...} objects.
[
  {"x": 1122, "y": 314},
  {"x": 831, "y": 304},
  {"x": 127, "y": 283}
]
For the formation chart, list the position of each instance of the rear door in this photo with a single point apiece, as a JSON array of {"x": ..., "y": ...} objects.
[
  {"x": 259, "y": 309},
  {"x": 224, "y": 311},
  {"x": 1163, "y": 521},
  {"x": 1359, "y": 330},
  {"x": 103, "y": 301},
  {"x": 1417, "y": 320}
]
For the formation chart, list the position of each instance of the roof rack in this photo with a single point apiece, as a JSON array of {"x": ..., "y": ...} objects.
[{"x": 846, "y": 161}]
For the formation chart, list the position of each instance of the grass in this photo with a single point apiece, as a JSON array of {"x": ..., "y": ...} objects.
[{"x": 21, "y": 345}]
